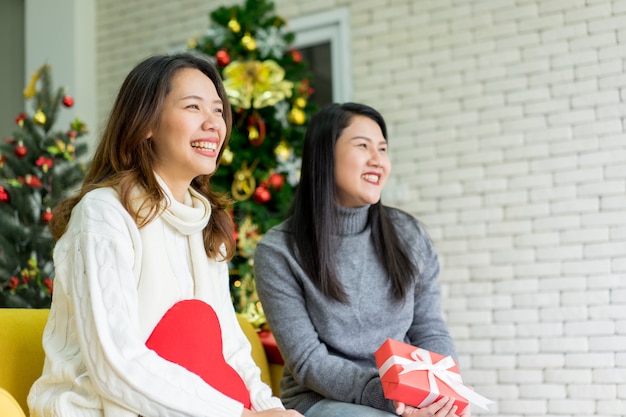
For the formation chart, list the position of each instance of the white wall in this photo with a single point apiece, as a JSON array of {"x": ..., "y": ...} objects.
[
  {"x": 507, "y": 137},
  {"x": 61, "y": 34}
]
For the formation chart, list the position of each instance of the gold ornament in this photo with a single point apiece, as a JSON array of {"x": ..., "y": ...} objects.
[
  {"x": 297, "y": 116},
  {"x": 39, "y": 117},
  {"x": 282, "y": 151},
  {"x": 30, "y": 91},
  {"x": 248, "y": 42},
  {"x": 253, "y": 133},
  {"x": 234, "y": 25},
  {"x": 227, "y": 157},
  {"x": 300, "y": 102},
  {"x": 256, "y": 84},
  {"x": 244, "y": 184}
]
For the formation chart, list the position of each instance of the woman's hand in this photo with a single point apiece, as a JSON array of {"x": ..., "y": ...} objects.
[
  {"x": 273, "y": 412},
  {"x": 443, "y": 408}
]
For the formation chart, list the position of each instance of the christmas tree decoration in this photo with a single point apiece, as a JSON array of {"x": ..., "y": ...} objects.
[
  {"x": 296, "y": 56},
  {"x": 30, "y": 90},
  {"x": 300, "y": 102},
  {"x": 271, "y": 42},
  {"x": 248, "y": 42},
  {"x": 40, "y": 166},
  {"x": 261, "y": 195},
  {"x": 40, "y": 117},
  {"x": 256, "y": 84},
  {"x": 234, "y": 25},
  {"x": 4, "y": 196},
  {"x": 282, "y": 151},
  {"x": 19, "y": 120},
  {"x": 31, "y": 181},
  {"x": 276, "y": 181},
  {"x": 256, "y": 130},
  {"x": 20, "y": 150},
  {"x": 46, "y": 216},
  {"x": 44, "y": 163},
  {"x": 227, "y": 157},
  {"x": 297, "y": 116},
  {"x": 244, "y": 182},
  {"x": 68, "y": 101},
  {"x": 265, "y": 78},
  {"x": 223, "y": 58}
]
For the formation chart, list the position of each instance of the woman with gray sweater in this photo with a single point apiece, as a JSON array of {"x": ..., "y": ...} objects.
[{"x": 344, "y": 272}]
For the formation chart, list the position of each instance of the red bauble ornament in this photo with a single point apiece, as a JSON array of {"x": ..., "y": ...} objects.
[
  {"x": 223, "y": 58},
  {"x": 4, "y": 196},
  {"x": 296, "y": 56},
  {"x": 261, "y": 195},
  {"x": 68, "y": 101},
  {"x": 46, "y": 216},
  {"x": 276, "y": 181},
  {"x": 20, "y": 150}
]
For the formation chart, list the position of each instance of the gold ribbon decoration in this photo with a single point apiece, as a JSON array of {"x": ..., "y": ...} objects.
[{"x": 244, "y": 183}]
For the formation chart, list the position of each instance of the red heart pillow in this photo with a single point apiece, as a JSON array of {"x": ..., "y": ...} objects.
[{"x": 190, "y": 335}]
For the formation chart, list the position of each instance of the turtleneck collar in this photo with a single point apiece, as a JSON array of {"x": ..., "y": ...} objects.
[
  {"x": 189, "y": 217},
  {"x": 351, "y": 221}
]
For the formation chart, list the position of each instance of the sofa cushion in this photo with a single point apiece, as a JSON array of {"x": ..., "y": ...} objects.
[
  {"x": 21, "y": 332},
  {"x": 9, "y": 406},
  {"x": 21, "y": 350}
]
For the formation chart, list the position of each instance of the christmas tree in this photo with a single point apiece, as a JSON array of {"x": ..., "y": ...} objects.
[
  {"x": 269, "y": 85},
  {"x": 38, "y": 167}
]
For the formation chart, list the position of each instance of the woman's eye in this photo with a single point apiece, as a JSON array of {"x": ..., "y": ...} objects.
[{"x": 193, "y": 106}]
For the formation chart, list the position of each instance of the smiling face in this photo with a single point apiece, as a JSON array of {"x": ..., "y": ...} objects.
[
  {"x": 191, "y": 131},
  {"x": 362, "y": 164}
]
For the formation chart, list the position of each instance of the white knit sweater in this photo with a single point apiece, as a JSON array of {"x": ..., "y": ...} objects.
[{"x": 113, "y": 283}]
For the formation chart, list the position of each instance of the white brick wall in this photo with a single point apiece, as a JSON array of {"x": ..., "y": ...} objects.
[{"x": 508, "y": 140}]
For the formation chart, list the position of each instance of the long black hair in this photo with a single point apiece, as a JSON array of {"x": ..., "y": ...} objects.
[{"x": 313, "y": 213}]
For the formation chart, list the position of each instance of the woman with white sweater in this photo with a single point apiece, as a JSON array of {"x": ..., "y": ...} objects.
[{"x": 141, "y": 322}]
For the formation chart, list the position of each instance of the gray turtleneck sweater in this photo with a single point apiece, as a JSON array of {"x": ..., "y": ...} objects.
[{"x": 329, "y": 347}]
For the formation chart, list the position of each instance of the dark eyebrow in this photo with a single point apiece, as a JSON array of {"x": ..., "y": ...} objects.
[
  {"x": 195, "y": 97},
  {"x": 368, "y": 139}
]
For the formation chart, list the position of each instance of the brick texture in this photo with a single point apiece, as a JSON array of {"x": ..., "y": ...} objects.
[{"x": 507, "y": 136}]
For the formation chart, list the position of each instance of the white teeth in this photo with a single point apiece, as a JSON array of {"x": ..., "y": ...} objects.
[
  {"x": 210, "y": 146},
  {"x": 371, "y": 177}
]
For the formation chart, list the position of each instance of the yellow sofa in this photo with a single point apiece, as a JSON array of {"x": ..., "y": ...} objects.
[{"x": 21, "y": 357}]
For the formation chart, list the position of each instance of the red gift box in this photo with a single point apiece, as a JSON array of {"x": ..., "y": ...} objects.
[{"x": 419, "y": 378}]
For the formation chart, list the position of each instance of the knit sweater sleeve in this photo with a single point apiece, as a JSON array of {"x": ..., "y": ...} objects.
[
  {"x": 91, "y": 341},
  {"x": 280, "y": 284}
]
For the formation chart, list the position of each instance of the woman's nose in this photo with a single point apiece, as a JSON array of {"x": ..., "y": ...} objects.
[
  {"x": 375, "y": 159},
  {"x": 211, "y": 123}
]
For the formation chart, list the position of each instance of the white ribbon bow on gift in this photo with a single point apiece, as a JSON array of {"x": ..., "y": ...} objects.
[{"x": 422, "y": 361}]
